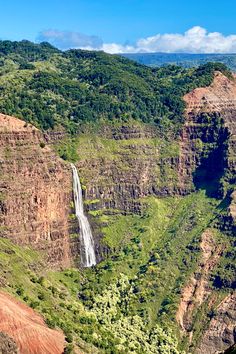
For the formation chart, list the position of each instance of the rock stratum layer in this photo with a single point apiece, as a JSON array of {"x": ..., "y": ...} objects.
[
  {"x": 27, "y": 329},
  {"x": 118, "y": 168},
  {"x": 35, "y": 192},
  {"x": 220, "y": 334},
  {"x": 127, "y": 163},
  {"x": 208, "y": 138}
]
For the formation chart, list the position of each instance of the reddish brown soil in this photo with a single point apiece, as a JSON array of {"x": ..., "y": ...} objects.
[
  {"x": 28, "y": 328},
  {"x": 8, "y": 123},
  {"x": 221, "y": 94}
]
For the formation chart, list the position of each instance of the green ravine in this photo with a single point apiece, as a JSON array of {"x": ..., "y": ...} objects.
[
  {"x": 127, "y": 304},
  {"x": 112, "y": 308}
]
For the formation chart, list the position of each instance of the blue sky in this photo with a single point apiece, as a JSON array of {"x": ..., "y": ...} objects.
[{"x": 121, "y": 22}]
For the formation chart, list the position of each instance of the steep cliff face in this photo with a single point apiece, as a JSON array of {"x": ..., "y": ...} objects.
[
  {"x": 207, "y": 146},
  {"x": 118, "y": 166},
  {"x": 35, "y": 192},
  {"x": 220, "y": 334},
  {"x": 208, "y": 154},
  {"x": 198, "y": 290},
  {"x": 122, "y": 164}
]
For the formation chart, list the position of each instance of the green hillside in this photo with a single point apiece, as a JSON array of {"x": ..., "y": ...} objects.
[
  {"x": 127, "y": 304},
  {"x": 50, "y": 88}
]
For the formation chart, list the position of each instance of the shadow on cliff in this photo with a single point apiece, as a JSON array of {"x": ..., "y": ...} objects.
[{"x": 209, "y": 173}]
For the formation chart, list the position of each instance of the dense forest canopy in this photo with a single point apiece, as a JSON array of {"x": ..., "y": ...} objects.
[{"x": 50, "y": 88}]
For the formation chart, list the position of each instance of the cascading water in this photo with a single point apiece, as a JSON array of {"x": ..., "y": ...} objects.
[{"x": 88, "y": 258}]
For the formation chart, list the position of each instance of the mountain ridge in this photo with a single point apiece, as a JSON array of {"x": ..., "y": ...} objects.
[{"x": 160, "y": 200}]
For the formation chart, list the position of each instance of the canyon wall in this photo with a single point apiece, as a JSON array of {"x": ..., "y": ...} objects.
[
  {"x": 117, "y": 166},
  {"x": 35, "y": 192},
  {"x": 209, "y": 134},
  {"x": 129, "y": 162}
]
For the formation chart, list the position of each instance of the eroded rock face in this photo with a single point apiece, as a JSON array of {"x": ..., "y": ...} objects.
[
  {"x": 137, "y": 168},
  {"x": 198, "y": 290},
  {"x": 27, "y": 329},
  {"x": 35, "y": 192},
  {"x": 206, "y": 148},
  {"x": 232, "y": 207},
  {"x": 221, "y": 333},
  {"x": 35, "y": 185},
  {"x": 210, "y": 118}
]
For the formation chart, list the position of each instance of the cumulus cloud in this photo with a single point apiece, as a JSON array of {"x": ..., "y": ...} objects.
[
  {"x": 195, "y": 40},
  {"x": 67, "y": 39}
]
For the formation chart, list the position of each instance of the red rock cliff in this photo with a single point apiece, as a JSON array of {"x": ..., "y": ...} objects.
[
  {"x": 35, "y": 191},
  {"x": 203, "y": 105}
]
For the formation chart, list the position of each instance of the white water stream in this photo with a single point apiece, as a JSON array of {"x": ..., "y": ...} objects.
[{"x": 88, "y": 258}]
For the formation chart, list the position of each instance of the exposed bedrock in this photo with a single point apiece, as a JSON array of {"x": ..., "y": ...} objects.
[
  {"x": 35, "y": 192},
  {"x": 36, "y": 185}
]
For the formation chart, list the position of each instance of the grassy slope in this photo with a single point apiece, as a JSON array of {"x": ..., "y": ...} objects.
[
  {"x": 160, "y": 248},
  {"x": 153, "y": 256}
]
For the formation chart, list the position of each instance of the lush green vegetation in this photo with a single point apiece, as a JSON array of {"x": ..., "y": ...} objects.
[
  {"x": 51, "y": 88},
  {"x": 147, "y": 252},
  {"x": 100, "y": 328},
  {"x": 127, "y": 304}
]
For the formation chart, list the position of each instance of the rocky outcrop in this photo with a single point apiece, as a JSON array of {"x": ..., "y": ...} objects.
[
  {"x": 232, "y": 207},
  {"x": 221, "y": 333},
  {"x": 219, "y": 327},
  {"x": 208, "y": 139},
  {"x": 35, "y": 192},
  {"x": 198, "y": 290},
  {"x": 137, "y": 163},
  {"x": 27, "y": 329}
]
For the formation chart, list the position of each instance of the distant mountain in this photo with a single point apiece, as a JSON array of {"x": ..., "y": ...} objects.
[
  {"x": 155, "y": 151},
  {"x": 185, "y": 60}
]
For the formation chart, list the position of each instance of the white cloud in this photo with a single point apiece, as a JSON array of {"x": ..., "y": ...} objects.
[
  {"x": 195, "y": 40},
  {"x": 67, "y": 39}
]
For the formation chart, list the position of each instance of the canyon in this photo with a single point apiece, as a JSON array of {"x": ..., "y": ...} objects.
[
  {"x": 35, "y": 182},
  {"x": 118, "y": 167}
]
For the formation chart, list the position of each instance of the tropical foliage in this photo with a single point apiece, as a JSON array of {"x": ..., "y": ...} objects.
[{"x": 48, "y": 87}]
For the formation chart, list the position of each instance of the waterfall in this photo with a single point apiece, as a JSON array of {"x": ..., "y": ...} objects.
[{"x": 88, "y": 258}]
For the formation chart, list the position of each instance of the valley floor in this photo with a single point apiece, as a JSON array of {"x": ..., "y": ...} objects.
[{"x": 157, "y": 292}]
